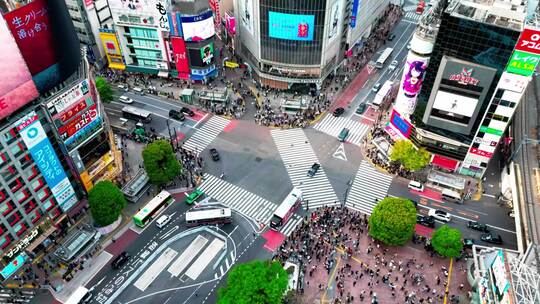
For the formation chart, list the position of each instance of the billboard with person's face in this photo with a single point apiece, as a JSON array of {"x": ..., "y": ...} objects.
[
  {"x": 207, "y": 54},
  {"x": 197, "y": 28},
  {"x": 411, "y": 83},
  {"x": 335, "y": 20},
  {"x": 291, "y": 26}
]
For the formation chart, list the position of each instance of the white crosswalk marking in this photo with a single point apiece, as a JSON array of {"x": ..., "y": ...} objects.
[
  {"x": 206, "y": 134},
  {"x": 333, "y": 125},
  {"x": 291, "y": 224},
  {"x": 369, "y": 185},
  {"x": 238, "y": 199},
  {"x": 298, "y": 157},
  {"x": 412, "y": 16}
]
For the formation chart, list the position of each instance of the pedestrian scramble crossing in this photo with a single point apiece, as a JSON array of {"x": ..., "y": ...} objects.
[
  {"x": 206, "y": 134},
  {"x": 244, "y": 202},
  {"x": 298, "y": 157},
  {"x": 333, "y": 125},
  {"x": 412, "y": 16},
  {"x": 368, "y": 187}
]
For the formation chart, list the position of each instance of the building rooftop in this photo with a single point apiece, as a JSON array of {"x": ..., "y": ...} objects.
[{"x": 503, "y": 13}]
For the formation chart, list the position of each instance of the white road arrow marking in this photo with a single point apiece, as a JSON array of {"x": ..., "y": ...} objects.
[{"x": 340, "y": 153}]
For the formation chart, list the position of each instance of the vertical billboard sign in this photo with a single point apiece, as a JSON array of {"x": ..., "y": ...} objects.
[
  {"x": 16, "y": 85},
  {"x": 354, "y": 13},
  {"x": 112, "y": 49},
  {"x": 525, "y": 57},
  {"x": 175, "y": 24},
  {"x": 335, "y": 20},
  {"x": 207, "y": 54},
  {"x": 230, "y": 24},
  {"x": 161, "y": 15},
  {"x": 246, "y": 14},
  {"x": 180, "y": 57},
  {"x": 411, "y": 83},
  {"x": 49, "y": 165},
  {"x": 214, "y": 5}
]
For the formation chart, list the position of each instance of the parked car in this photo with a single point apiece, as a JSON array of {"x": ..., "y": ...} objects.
[
  {"x": 393, "y": 65},
  {"x": 176, "y": 115},
  {"x": 338, "y": 112},
  {"x": 376, "y": 87},
  {"x": 192, "y": 198},
  {"x": 214, "y": 153},
  {"x": 440, "y": 215},
  {"x": 313, "y": 170},
  {"x": 427, "y": 221},
  {"x": 120, "y": 260},
  {"x": 391, "y": 37},
  {"x": 468, "y": 243},
  {"x": 125, "y": 99},
  {"x": 491, "y": 238},
  {"x": 361, "y": 108},
  {"x": 187, "y": 111},
  {"x": 477, "y": 226}
]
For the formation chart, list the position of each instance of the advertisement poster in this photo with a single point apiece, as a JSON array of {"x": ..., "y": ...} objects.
[
  {"x": 16, "y": 87},
  {"x": 450, "y": 104},
  {"x": 334, "y": 20},
  {"x": 230, "y": 24},
  {"x": 354, "y": 13},
  {"x": 529, "y": 41},
  {"x": 68, "y": 98},
  {"x": 112, "y": 49},
  {"x": 161, "y": 15},
  {"x": 246, "y": 14},
  {"x": 180, "y": 57},
  {"x": 411, "y": 83},
  {"x": 78, "y": 123},
  {"x": 401, "y": 124},
  {"x": 207, "y": 54},
  {"x": 49, "y": 165},
  {"x": 175, "y": 24},
  {"x": 197, "y": 28},
  {"x": 291, "y": 26}
]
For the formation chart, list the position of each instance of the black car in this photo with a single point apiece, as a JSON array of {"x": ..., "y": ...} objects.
[
  {"x": 338, "y": 112},
  {"x": 427, "y": 221},
  {"x": 391, "y": 37},
  {"x": 176, "y": 115},
  {"x": 313, "y": 170},
  {"x": 477, "y": 226},
  {"x": 120, "y": 260},
  {"x": 491, "y": 238},
  {"x": 187, "y": 111},
  {"x": 214, "y": 153}
]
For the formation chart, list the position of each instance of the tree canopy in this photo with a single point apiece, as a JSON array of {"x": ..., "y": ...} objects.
[
  {"x": 411, "y": 158},
  {"x": 256, "y": 282},
  {"x": 160, "y": 162},
  {"x": 447, "y": 241},
  {"x": 393, "y": 220},
  {"x": 104, "y": 89},
  {"x": 106, "y": 202}
]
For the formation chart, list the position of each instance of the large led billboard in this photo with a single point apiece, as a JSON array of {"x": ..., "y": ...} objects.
[
  {"x": 202, "y": 56},
  {"x": 197, "y": 28},
  {"x": 180, "y": 57},
  {"x": 291, "y": 26},
  {"x": 335, "y": 20},
  {"x": 411, "y": 83},
  {"x": 455, "y": 107},
  {"x": 16, "y": 86}
]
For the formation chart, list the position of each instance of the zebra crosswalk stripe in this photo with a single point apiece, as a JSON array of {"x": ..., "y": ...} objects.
[
  {"x": 369, "y": 185},
  {"x": 298, "y": 157},
  {"x": 413, "y": 16},
  {"x": 206, "y": 134},
  {"x": 238, "y": 199},
  {"x": 291, "y": 224},
  {"x": 333, "y": 125}
]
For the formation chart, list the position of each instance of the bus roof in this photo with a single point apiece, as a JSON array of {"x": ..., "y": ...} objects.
[
  {"x": 137, "y": 111},
  {"x": 288, "y": 202},
  {"x": 385, "y": 89},
  {"x": 152, "y": 204},
  {"x": 208, "y": 214},
  {"x": 385, "y": 54}
]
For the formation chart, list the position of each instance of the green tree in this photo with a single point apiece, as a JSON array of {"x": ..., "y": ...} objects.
[
  {"x": 160, "y": 162},
  {"x": 447, "y": 241},
  {"x": 104, "y": 89},
  {"x": 393, "y": 220},
  {"x": 411, "y": 158},
  {"x": 106, "y": 202},
  {"x": 255, "y": 282}
]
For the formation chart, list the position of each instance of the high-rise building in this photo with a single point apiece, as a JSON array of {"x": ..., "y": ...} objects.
[{"x": 54, "y": 142}]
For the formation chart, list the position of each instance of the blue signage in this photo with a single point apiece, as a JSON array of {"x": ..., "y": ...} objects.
[
  {"x": 13, "y": 266},
  {"x": 402, "y": 125},
  {"x": 354, "y": 12},
  {"x": 291, "y": 26},
  {"x": 203, "y": 16}
]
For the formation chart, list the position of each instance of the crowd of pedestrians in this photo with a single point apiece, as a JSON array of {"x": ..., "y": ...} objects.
[{"x": 332, "y": 246}]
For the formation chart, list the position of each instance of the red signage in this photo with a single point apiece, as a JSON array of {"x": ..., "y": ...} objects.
[
  {"x": 31, "y": 28},
  {"x": 529, "y": 41},
  {"x": 481, "y": 152},
  {"x": 78, "y": 123},
  {"x": 180, "y": 57},
  {"x": 72, "y": 111},
  {"x": 465, "y": 77}
]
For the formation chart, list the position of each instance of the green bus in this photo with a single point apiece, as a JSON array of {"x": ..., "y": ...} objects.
[{"x": 153, "y": 207}]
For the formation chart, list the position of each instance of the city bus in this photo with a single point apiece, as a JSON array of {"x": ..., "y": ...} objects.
[
  {"x": 152, "y": 208},
  {"x": 382, "y": 95},
  {"x": 136, "y": 114},
  {"x": 384, "y": 57},
  {"x": 286, "y": 209},
  {"x": 208, "y": 216}
]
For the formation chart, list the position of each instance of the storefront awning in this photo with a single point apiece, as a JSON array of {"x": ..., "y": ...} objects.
[{"x": 444, "y": 162}]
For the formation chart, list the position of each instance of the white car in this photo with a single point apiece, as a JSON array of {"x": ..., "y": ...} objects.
[
  {"x": 393, "y": 65},
  {"x": 126, "y": 99},
  {"x": 440, "y": 215},
  {"x": 376, "y": 87}
]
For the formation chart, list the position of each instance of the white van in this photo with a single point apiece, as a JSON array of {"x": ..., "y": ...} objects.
[
  {"x": 162, "y": 221},
  {"x": 138, "y": 91},
  {"x": 417, "y": 186},
  {"x": 451, "y": 196},
  {"x": 126, "y": 99},
  {"x": 122, "y": 87}
]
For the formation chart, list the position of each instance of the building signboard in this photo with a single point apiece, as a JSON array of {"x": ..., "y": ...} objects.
[
  {"x": 291, "y": 26},
  {"x": 23, "y": 243},
  {"x": 529, "y": 41},
  {"x": 42, "y": 152},
  {"x": 354, "y": 13},
  {"x": 68, "y": 98},
  {"x": 83, "y": 134},
  {"x": 180, "y": 57},
  {"x": 489, "y": 130},
  {"x": 402, "y": 125},
  {"x": 78, "y": 123},
  {"x": 199, "y": 27},
  {"x": 481, "y": 152},
  {"x": 13, "y": 266},
  {"x": 175, "y": 24},
  {"x": 464, "y": 77},
  {"x": 161, "y": 15},
  {"x": 522, "y": 63},
  {"x": 411, "y": 83},
  {"x": 498, "y": 270},
  {"x": 112, "y": 49}
]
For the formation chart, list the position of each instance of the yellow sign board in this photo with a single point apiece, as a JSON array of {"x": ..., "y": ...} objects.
[
  {"x": 112, "y": 50},
  {"x": 231, "y": 64}
]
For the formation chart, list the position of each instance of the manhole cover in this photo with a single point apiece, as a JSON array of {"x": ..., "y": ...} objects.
[{"x": 258, "y": 159}]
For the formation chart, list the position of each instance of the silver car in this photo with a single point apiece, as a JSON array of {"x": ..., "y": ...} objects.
[{"x": 440, "y": 215}]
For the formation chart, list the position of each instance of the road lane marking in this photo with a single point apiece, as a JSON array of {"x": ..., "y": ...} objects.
[
  {"x": 155, "y": 269},
  {"x": 187, "y": 256},
  {"x": 168, "y": 233}
]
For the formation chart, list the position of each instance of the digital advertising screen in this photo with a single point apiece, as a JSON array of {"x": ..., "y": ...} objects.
[
  {"x": 291, "y": 26},
  {"x": 207, "y": 54},
  {"x": 454, "y": 107},
  {"x": 401, "y": 124},
  {"x": 197, "y": 28}
]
